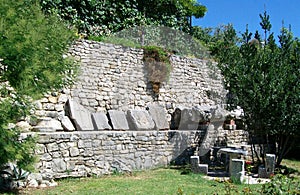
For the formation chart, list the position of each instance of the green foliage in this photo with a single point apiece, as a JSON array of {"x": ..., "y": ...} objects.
[
  {"x": 32, "y": 48},
  {"x": 281, "y": 184},
  {"x": 98, "y": 18},
  {"x": 14, "y": 173},
  {"x": 263, "y": 78},
  {"x": 171, "y": 39}
]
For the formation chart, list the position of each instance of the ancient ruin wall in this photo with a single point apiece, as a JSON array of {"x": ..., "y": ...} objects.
[
  {"x": 81, "y": 153},
  {"x": 114, "y": 77}
]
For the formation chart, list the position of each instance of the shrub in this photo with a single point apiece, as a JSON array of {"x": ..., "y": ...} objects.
[{"x": 31, "y": 48}]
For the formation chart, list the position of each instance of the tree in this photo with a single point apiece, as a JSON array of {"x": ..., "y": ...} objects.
[
  {"x": 263, "y": 78},
  {"x": 31, "y": 49},
  {"x": 101, "y": 18}
]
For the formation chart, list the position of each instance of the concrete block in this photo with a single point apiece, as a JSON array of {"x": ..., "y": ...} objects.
[
  {"x": 237, "y": 170},
  {"x": 196, "y": 167},
  {"x": 203, "y": 169},
  {"x": 270, "y": 164},
  {"x": 262, "y": 172}
]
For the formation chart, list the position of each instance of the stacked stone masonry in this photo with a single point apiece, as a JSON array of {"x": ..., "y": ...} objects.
[
  {"x": 81, "y": 153},
  {"x": 113, "y": 78}
]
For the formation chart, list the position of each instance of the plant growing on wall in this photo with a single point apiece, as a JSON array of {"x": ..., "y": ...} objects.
[{"x": 158, "y": 66}]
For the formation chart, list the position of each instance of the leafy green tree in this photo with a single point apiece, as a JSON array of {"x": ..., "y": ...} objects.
[
  {"x": 31, "y": 49},
  {"x": 263, "y": 78},
  {"x": 100, "y": 18}
]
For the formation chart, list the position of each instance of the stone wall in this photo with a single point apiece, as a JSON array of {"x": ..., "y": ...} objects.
[
  {"x": 81, "y": 153},
  {"x": 114, "y": 77}
]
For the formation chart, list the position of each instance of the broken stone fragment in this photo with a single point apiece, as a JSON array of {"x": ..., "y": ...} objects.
[{"x": 140, "y": 120}]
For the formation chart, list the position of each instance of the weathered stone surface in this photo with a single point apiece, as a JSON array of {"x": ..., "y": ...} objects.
[
  {"x": 48, "y": 125},
  {"x": 74, "y": 151},
  {"x": 118, "y": 120},
  {"x": 67, "y": 124},
  {"x": 81, "y": 117},
  {"x": 190, "y": 118},
  {"x": 52, "y": 99},
  {"x": 262, "y": 172},
  {"x": 237, "y": 170},
  {"x": 24, "y": 125},
  {"x": 59, "y": 165},
  {"x": 100, "y": 121},
  {"x": 158, "y": 114},
  {"x": 197, "y": 167},
  {"x": 270, "y": 164},
  {"x": 195, "y": 164},
  {"x": 35, "y": 176},
  {"x": 140, "y": 120}
]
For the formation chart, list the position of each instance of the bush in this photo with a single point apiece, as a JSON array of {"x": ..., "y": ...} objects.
[{"x": 31, "y": 48}]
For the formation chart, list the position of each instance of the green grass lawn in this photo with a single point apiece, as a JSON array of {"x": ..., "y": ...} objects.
[
  {"x": 162, "y": 181},
  {"x": 158, "y": 181}
]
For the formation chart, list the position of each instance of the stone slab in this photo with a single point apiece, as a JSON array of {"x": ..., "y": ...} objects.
[
  {"x": 118, "y": 120},
  {"x": 237, "y": 170},
  {"x": 270, "y": 164},
  {"x": 194, "y": 160},
  {"x": 100, "y": 121},
  {"x": 140, "y": 120},
  {"x": 67, "y": 124},
  {"x": 189, "y": 119},
  {"x": 81, "y": 116},
  {"x": 159, "y": 116}
]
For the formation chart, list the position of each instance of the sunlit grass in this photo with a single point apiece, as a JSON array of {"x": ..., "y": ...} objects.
[
  {"x": 158, "y": 181},
  {"x": 166, "y": 181}
]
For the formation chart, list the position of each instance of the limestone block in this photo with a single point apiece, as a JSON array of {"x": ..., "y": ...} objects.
[
  {"x": 81, "y": 117},
  {"x": 52, "y": 147},
  {"x": 35, "y": 176},
  {"x": 100, "y": 121},
  {"x": 63, "y": 98},
  {"x": 59, "y": 107},
  {"x": 24, "y": 125},
  {"x": 118, "y": 120},
  {"x": 159, "y": 117},
  {"x": 52, "y": 99},
  {"x": 48, "y": 125},
  {"x": 140, "y": 120},
  {"x": 74, "y": 151},
  {"x": 67, "y": 124},
  {"x": 190, "y": 118},
  {"x": 59, "y": 165}
]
